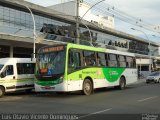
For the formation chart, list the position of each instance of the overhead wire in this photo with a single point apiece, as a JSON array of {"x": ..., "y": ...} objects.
[{"x": 106, "y": 9}]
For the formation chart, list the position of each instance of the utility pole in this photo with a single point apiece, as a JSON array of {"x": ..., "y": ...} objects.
[{"x": 77, "y": 21}]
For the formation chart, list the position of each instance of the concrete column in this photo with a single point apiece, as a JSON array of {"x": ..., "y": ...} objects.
[
  {"x": 150, "y": 65},
  {"x": 11, "y": 52},
  {"x": 128, "y": 44}
]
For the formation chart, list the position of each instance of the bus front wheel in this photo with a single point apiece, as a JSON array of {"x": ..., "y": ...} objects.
[
  {"x": 122, "y": 83},
  {"x": 2, "y": 91},
  {"x": 87, "y": 87}
]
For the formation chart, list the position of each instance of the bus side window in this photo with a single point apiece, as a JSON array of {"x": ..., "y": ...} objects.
[
  {"x": 101, "y": 59},
  {"x": 112, "y": 60},
  {"x": 129, "y": 62},
  {"x": 89, "y": 58},
  {"x": 74, "y": 61},
  {"x": 122, "y": 61}
]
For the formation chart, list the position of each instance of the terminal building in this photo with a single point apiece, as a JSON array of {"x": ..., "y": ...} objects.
[
  {"x": 53, "y": 26},
  {"x": 69, "y": 8}
]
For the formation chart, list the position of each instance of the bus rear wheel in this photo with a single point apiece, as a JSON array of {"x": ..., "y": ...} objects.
[
  {"x": 87, "y": 87},
  {"x": 2, "y": 91},
  {"x": 122, "y": 83}
]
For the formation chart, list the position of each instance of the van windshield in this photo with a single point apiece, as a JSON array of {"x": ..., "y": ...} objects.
[{"x": 1, "y": 66}]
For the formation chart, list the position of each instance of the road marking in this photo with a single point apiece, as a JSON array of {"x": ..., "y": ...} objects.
[
  {"x": 98, "y": 112},
  {"x": 147, "y": 98}
]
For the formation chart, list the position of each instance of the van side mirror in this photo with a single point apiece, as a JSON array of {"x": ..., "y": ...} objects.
[{"x": 2, "y": 75}]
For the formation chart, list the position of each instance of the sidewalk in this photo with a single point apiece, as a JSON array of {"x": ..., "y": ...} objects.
[{"x": 142, "y": 80}]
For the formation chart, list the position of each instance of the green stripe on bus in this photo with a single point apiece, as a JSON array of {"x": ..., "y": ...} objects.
[
  {"x": 110, "y": 74},
  {"x": 113, "y": 74}
]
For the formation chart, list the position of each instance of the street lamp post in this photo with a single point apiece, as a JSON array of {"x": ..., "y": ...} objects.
[
  {"x": 89, "y": 32},
  {"x": 149, "y": 46},
  {"x": 77, "y": 24},
  {"x": 34, "y": 31},
  {"x": 91, "y": 8}
]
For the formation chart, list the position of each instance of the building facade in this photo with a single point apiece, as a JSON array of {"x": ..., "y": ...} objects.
[
  {"x": 69, "y": 8},
  {"x": 16, "y": 32}
]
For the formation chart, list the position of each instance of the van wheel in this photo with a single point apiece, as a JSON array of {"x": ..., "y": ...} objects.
[
  {"x": 122, "y": 83},
  {"x": 87, "y": 87},
  {"x": 2, "y": 91}
]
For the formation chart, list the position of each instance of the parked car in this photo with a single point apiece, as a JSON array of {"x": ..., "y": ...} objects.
[{"x": 153, "y": 77}]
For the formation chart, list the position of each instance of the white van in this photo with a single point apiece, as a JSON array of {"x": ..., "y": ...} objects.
[{"x": 16, "y": 74}]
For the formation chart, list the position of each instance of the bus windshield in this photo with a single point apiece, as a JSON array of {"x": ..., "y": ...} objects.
[{"x": 51, "y": 63}]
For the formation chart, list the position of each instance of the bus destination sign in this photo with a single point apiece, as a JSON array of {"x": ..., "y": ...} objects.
[{"x": 53, "y": 49}]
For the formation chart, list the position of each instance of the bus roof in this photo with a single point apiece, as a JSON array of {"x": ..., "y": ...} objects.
[
  {"x": 99, "y": 49},
  {"x": 91, "y": 48}
]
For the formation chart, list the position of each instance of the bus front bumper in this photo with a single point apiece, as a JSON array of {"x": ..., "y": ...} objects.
[{"x": 62, "y": 87}]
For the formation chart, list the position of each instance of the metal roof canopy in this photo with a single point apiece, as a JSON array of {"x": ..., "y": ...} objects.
[{"x": 145, "y": 56}]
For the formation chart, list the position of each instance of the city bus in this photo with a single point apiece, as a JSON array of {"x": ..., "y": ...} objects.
[
  {"x": 16, "y": 74},
  {"x": 72, "y": 67}
]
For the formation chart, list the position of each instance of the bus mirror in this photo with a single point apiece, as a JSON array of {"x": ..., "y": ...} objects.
[{"x": 71, "y": 65}]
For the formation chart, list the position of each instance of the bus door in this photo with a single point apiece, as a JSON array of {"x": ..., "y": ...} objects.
[
  {"x": 8, "y": 75},
  {"x": 74, "y": 69}
]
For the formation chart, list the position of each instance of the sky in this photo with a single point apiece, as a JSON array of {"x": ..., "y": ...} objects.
[{"x": 147, "y": 10}]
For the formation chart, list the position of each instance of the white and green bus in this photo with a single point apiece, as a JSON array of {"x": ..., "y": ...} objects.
[{"x": 72, "y": 67}]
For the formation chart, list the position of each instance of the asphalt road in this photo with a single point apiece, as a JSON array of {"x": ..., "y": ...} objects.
[{"x": 140, "y": 98}]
